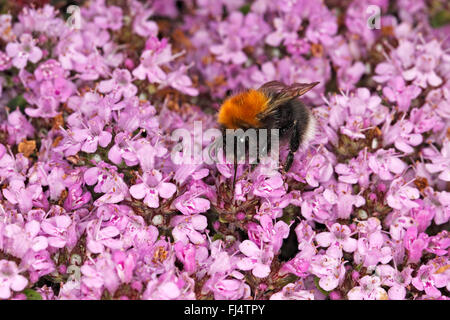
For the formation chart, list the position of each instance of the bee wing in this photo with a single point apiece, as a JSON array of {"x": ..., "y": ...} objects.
[
  {"x": 299, "y": 89},
  {"x": 279, "y": 89},
  {"x": 280, "y": 93}
]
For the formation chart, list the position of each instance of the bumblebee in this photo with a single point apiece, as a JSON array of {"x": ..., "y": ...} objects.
[{"x": 272, "y": 106}]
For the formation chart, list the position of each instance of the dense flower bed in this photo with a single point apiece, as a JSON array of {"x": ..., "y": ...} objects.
[{"x": 92, "y": 206}]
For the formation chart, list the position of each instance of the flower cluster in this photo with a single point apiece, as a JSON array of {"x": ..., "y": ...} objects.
[{"x": 93, "y": 206}]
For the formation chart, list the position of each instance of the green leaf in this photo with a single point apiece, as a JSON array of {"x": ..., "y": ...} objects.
[
  {"x": 440, "y": 19},
  {"x": 32, "y": 295},
  {"x": 316, "y": 282},
  {"x": 18, "y": 101},
  {"x": 245, "y": 9},
  {"x": 218, "y": 236}
]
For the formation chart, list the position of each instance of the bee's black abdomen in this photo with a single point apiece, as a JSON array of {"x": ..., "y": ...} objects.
[
  {"x": 285, "y": 117},
  {"x": 296, "y": 125}
]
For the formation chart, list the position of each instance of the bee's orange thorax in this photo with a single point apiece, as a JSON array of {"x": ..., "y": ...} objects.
[{"x": 243, "y": 109}]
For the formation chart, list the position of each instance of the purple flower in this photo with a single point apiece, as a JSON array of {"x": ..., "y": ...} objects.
[
  {"x": 429, "y": 279},
  {"x": 256, "y": 259},
  {"x": 158, "y": 53},
  {"x": 120, "y": 85},
  {"x": 415, "y": 243},
  {"x": 186, "y": 254},
  {"x": 397, "y": 91},
  {"x": 385, "y": 162},
  {"x": 92, "y": 136},
  {"x": 61, "y": 231},
  {"x": 285, "y": 29},
  {"x": 23, "y": 51},
  {"x": 107, "y": 181},
  {"x": 125, "y": 264},
  {"x": 10, "y": 279},
  {"x": 356, "y": 171},
  {"x": 268, "y": 232},
  {"x": 423, "y": 72},
  {"x": 187, "y": 228},
  {"x": 293, "y": 292},
  {"x": 98, "y": 238},
  {"x": 372, "y": 250},
  {"x": 17, "y": 193},
  {"x": 401, "y": 134},
  {"x": 329, "y": 268},
  {"x": 339, "y": 235},
  {"x": 151, "y": 188},
  {"x": 369, "y": 289},
  {"x": 400, "y": 195},
  {"x": 441, "y": 163},
  {"x": 396, "y": 280}
]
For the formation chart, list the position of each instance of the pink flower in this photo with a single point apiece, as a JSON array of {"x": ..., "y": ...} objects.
[
  {"x": 293, "y": 292},
  {"x": 402, "y": 135},
  {"x": 385, "y": 162},
  {"x": 10, "y": 279},
  {"x": 23, "y": 51},
  {"x": 92, "y": 136},
  {"x": 415, "y": 243},
  {"x": 285, "y": 29},
  {"x": 355, "y": 171},
  {"x": 120, "y": 85},
  {"x": 107, "y": 181},
  {"x": 396, "y": 280},
  {"x": 100, "y": 273},
  {"x": 423, "y": 72},
  {"x": 397, "y": 91},
  {"x": 151, "y": 188},
  {"x": 98, "y": 238},
  {"x": 341, "y": 196},
  {"x": 180, "y": 81},
  {"x": 17, "y": 193},
  {"x": 428, "y": 279},
  {"x": 157, "y": 54},
  {"x": 186, "y": 254},
  {"x": 400, "y": 195},
  {"x": 228, "y": 286},
  {"x": 268, "y": 232},
  {"x": 170, "y": 287},
  {"x": 339, "y": 235},
  {"x": 269, "y": 186},
  {"x": 329, "y": 267},
  {"x": 441, "y": 163},
  {"x": 369, "y": 289},
  {"x": 125, "y": 264},
  {"x": 372, "y": 250},
  {"x": 5, "y": 61},
  {"x": 257, "y": 259},
  {"x": 315, "y": 167},
  {"x": 60, "y": 230},
  {"x": 187, "y": 228},
  {"x": 190, "y": 203}
]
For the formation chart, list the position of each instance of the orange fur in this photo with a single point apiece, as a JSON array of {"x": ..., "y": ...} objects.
[{"x": 243, "y": 108}]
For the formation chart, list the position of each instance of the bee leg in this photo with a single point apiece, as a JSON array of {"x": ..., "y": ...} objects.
[{"x": 294, "y": 143}]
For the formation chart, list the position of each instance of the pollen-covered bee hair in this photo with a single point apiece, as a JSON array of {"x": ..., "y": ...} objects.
[{"x": 272, "y": 106}]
